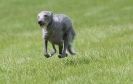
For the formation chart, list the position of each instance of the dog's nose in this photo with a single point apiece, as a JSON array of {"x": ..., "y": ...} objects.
[{"x": 40, "y": 22}]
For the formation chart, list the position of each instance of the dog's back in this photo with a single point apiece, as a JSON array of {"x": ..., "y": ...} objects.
[
  {"x": 66, "y": 22},
  {"x": 61, "y": 24}
]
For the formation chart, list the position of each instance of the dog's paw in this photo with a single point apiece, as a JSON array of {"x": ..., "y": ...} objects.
[
  {"x": 62, "y": 55},
  {"x": 47, "y": 55}
]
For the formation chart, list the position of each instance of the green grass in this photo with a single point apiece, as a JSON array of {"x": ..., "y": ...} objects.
[{"x": 104, "y": 43}]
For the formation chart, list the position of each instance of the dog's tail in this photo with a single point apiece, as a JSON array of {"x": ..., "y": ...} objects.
[
  {"x": 71, "y": 39},
  {"x": 71, "y": 50}
]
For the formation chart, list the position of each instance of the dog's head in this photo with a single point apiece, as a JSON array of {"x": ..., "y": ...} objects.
[{"x": 44, "y": 18}]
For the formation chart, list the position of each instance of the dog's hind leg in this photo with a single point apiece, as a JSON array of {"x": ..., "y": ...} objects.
[{"x": 63, "y": 49}]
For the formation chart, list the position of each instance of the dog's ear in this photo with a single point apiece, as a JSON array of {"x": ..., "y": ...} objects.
[{"x": 51, "y": 14}]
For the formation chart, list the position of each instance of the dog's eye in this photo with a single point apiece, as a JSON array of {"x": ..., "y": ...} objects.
[{"x": 45, "y": 15}]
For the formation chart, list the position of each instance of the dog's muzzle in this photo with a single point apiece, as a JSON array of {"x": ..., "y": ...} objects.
[{"x": 41, "y": 23}]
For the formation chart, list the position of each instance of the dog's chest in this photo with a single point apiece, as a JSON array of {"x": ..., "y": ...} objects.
[{"x": 54, "y": 35}]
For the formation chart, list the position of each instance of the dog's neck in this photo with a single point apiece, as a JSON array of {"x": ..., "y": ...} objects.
[
  {"x": 50, "y": 23},
  {"x": 44, "y": 28},
  {"x": 44, "y": 32}
]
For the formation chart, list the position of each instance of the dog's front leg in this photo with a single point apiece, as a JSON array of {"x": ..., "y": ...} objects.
[
  {"x": 46, "y": 54},
  {"x": 46, "y": 49},
  {"x": 45, "y": 43}
]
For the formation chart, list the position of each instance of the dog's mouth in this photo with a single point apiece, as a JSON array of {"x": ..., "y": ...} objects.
[{"x": 41, "y": 23}]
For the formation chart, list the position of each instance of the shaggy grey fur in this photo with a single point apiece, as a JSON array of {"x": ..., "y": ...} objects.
[{"x": 58, "y": 30}]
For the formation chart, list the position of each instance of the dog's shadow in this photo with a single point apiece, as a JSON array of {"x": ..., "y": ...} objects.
[{"x": 73, "y": 61}]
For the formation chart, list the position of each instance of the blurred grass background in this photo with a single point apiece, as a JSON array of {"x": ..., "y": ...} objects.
[{"x": 104, "y": 43}]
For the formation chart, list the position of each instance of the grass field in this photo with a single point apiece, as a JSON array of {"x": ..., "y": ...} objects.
[{"x": 104, "y": 43}]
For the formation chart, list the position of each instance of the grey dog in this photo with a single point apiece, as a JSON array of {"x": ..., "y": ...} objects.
[{"x": 58, "y": 30}]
